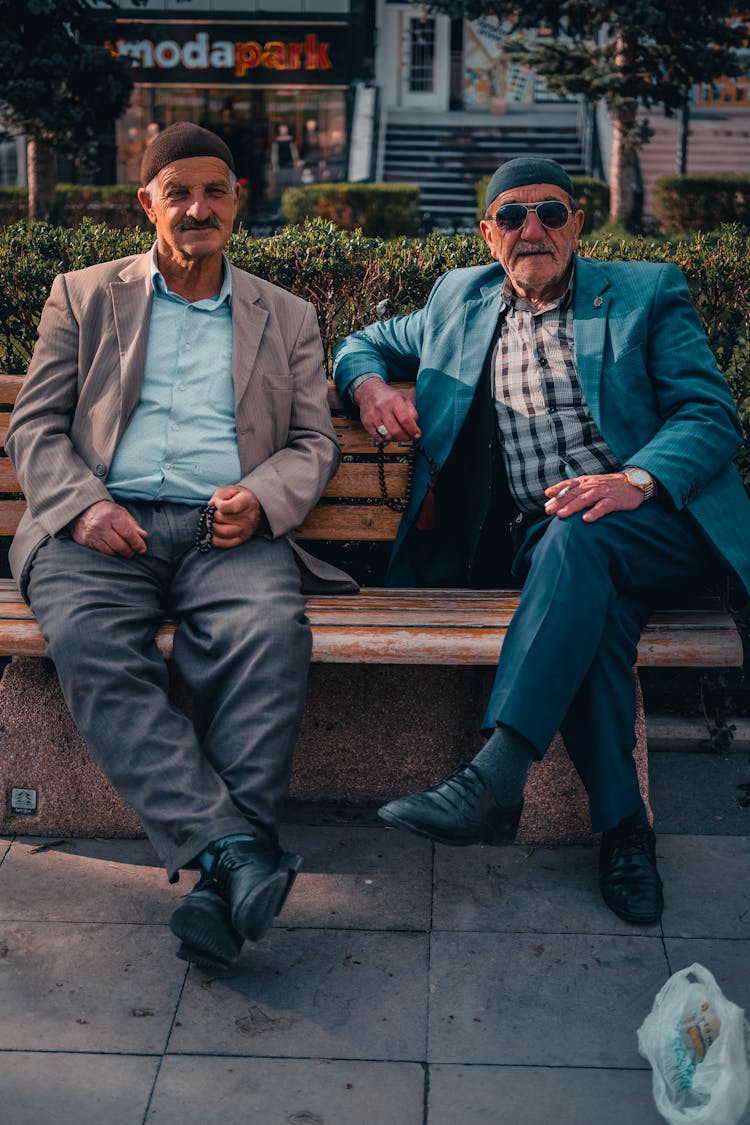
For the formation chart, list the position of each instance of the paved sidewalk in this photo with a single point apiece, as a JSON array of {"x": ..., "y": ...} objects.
[{"x": 406, "y": 984}]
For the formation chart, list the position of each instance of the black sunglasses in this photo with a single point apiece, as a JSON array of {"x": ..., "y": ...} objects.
[{"x": 552, "y": 214}]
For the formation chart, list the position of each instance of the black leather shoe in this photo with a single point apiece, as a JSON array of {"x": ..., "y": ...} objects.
[
  {"x": 628, "y": 877},
  {"x": 203, "y": 925},
  {"x": 459, "y": 810},
  {"x": 254, "y": 877}
]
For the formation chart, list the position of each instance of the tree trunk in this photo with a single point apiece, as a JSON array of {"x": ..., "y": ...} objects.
[
  {"x": 624, "y": 119},
  {"x": 621, "y": 175},
  {"x": 42, "y": 176},
  {"x": 682, "y": 147}
]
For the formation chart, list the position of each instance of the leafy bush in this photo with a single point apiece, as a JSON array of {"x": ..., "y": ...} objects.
[
  {"x": 378, "y": 210},
  {"x": 31, "y": 254},
  {"x": 351, "y": 279},
  {"x": 695, "y": 203},
  {"x": 593, "y": 196},
  {"x": 115, "y": 204}
]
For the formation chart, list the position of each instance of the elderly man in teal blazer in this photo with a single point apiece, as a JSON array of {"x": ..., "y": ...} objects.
[{"x": 584, "y": 440}]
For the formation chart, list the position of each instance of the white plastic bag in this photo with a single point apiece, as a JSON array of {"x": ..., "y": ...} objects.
[{"x": 696, "y": 1042}]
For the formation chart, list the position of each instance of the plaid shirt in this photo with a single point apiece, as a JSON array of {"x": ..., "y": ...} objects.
[{"x": 546, "y": 430}]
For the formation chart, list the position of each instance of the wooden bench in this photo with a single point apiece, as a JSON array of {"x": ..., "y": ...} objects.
[{"x": 421, "y": 661}]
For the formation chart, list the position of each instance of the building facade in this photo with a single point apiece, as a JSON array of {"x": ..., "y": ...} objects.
[{"x": 278, "y": 84}]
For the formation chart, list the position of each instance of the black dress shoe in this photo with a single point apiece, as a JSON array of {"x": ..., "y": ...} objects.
[
  {"x": 628, "y": 877},
  {"x": 203, "y": 925},
  {"x": 459, "y": 810},
  {"x": 254, "y": 877}
]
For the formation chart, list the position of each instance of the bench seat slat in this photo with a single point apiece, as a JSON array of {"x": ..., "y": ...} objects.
[{"x": 403, "y": 627}]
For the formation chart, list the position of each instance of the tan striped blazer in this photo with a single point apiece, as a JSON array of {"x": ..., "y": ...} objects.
[{"x": 84, "y": 382}]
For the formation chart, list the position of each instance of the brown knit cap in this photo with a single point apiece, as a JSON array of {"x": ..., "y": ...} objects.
[{"x": 179, "y": 142}]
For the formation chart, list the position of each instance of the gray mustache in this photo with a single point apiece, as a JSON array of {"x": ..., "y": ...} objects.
[{"x": 198, "y": 224}]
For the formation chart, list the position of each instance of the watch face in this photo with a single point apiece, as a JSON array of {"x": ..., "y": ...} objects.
[{"x": 640, "y": 477}]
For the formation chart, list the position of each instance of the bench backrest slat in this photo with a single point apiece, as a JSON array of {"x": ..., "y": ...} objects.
[{"x": 349, "y": 509}]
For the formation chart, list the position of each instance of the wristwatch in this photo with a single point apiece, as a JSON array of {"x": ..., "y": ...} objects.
[{"x": 642, "y": 479}]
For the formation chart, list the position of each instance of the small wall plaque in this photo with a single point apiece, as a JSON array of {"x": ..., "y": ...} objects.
[{"x": 23, "y": 802}]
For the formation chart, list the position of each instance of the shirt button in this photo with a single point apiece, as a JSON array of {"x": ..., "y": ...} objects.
[
  {"x": 100, "y": 470},
  {"x": 541, "y": 360},
  {"x": 174, "y": 426}
]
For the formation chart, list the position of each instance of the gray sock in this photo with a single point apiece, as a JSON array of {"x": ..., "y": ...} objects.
[{"x": 504, "y": 763}]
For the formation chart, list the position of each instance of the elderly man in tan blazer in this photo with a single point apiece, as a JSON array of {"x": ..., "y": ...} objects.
[{"x": 172, "y": 431}]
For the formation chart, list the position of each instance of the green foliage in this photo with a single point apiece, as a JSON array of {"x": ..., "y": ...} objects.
[
  {"x": 31, "y": 254},
  {"x": 593, "y": 196},
  {"x": 115, "y": 204},
  {"x": 351, "y": 279},
  {"x": 58, "y": 82},
  {"x": 627, "y": 53},
  {"x": 717, "y": 705},
  {"x": 694, "y": 203},
  {"x": 379, "y": 210}
]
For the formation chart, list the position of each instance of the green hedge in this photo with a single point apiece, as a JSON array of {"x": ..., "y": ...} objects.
[
  {"x": 593, "y": 196},
  {"x": 114, "y": 204},
  {"x": 378, "y": 210},
  {"x": 351, "y": 278},
  {"x": 692, "y": 203}
]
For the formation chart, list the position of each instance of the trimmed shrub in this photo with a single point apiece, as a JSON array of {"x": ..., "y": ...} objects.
[
  {"x": 695, "y": 203},
  {"x": 378, "y": 210},
  {"x": 114, "y": 204},
  {"x": 352, "y": 279}
]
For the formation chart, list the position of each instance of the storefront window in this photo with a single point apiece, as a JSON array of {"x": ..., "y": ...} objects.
[{"x": 278, "y": 138}]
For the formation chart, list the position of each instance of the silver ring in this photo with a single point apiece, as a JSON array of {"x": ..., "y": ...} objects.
[{"x": 382, "y": 430}]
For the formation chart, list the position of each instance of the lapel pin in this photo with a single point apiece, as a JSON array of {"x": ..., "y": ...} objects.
[{"x": 598, "y": 302}]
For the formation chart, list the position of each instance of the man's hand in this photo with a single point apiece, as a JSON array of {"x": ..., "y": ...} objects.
[
  {"x": 611, "y": 492},
  {"x": 238, "y": 515},
  {"x": 108, "y": 528},
  {"x": 383, "y": 406}
]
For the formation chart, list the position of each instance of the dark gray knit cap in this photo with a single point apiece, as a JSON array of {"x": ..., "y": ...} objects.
[
  {"x": 179, "y": 142},
  {"x": 523, "y": 171}
]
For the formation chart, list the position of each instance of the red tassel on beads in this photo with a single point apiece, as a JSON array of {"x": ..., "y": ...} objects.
[{"x": 426, "y": 518}]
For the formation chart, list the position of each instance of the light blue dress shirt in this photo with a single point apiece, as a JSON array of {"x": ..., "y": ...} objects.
[{"x": 181, "y": 443}]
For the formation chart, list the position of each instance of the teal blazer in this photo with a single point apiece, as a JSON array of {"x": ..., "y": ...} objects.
[{"x": 648, "y": 374}]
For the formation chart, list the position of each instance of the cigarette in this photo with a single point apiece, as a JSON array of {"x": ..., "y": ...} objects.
[{"x": 559, "y": 496}]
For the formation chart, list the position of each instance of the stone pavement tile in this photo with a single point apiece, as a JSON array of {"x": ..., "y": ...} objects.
[
  {"x": 729, "y": 961},
  {"x": 705, "y": 885},
  {"x": 541, "y": 999},
  {"x": 87, "y": 881},
  {"x": 366, "y": 878},
  {"x": 201, "y": 1091},
  {"x": 523, "y": 889},
  {"x": 697, "y": 793},
  {"x": 74, "y": 1089},
  {"x": 81, "y": 987},
  {"x": 312, "y": 993},
  {"x": 532, "y": 1095}
]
